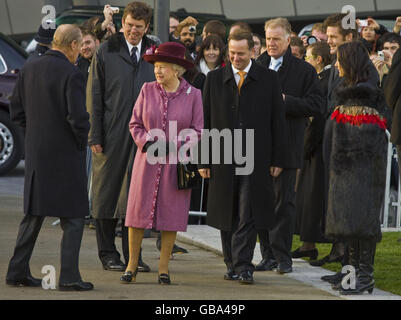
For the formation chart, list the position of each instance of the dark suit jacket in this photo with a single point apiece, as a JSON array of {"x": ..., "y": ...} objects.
[
  {"x": 304, "y": 98},
  {"x": 392, "y": 92},
  {"x": 259, "y": 107},
  {"x": 49, "y": 101}
]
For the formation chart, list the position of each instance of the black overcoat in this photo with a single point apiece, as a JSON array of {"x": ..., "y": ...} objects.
[
  {"x": 310, "y": 193},
  {"x": 303, "y": 98},
  {"x": 392, "y": 91},
  {"x": 49, "y": 101},
  {"x": 113, "y": 86},
  {"x": 259, "y": 107}
]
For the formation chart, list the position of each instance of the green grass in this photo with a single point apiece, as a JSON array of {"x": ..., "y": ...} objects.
[{"x": 387, "y": 261}]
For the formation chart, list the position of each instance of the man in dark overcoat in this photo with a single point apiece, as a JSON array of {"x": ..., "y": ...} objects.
[
  {"x": 49, "y": 101},
  {"x": 243, "y": 95},
  {"x": 116, "y": 77},
  {"x": 303, "y": 98}
]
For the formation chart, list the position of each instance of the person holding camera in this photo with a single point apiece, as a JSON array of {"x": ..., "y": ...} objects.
[
  {"x": 390, "y": 43},
  {"x": 186, "y": 33}
]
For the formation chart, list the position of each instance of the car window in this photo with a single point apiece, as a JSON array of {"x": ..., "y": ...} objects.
[
  {"x": 11, "y": 57},
  {"x": 3, "y": 67}
]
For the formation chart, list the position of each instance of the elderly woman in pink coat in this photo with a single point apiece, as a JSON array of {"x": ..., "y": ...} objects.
[{"x": 163, "y": 109}]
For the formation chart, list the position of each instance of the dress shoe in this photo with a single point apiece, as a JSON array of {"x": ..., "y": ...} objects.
[
  {"x": 326, "y": 259},
  {"x": 283, "y": 268},
  {"x": 298, "y": 253},
  {"x": 360, "y": 288},
  {"x": 29, "y": 281},
  {"x": 113, "y": 265},
  {"x": 333, "y": 279},
  {"x": 143, "y": 267},
  {"x": 164, "y": 278},
  {"x": 127, "y": 277},
  {"x": 246, "y": 277},
  {"x": 76, "y": 286},
  {"x": 231, "y": 275},
  {"x": 266, "y": 265}
]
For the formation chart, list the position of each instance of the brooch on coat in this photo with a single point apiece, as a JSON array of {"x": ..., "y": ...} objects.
[{"x": 358, "y": 115}]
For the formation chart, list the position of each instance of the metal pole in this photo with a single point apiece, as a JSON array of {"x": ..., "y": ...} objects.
[{"x": 161, "y": 19}]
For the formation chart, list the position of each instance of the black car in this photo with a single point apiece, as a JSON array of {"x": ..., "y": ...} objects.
[{"x": 12, "y": 58}]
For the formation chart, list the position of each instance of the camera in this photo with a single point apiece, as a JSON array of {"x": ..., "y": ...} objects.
[
  {"x": 363, "y": 23},
  {"x": 192, "y": 29},
  {"x": 115, "y": 9},
  {"x": 311, "y": 40},
  {"x": 380, "y": 55}
]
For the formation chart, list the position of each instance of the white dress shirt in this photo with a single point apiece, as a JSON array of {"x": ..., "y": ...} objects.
[
  {"x": 237, "y": 76},
  {"x": 138, "y": 52},
  {"x": 275, "y": 64}
]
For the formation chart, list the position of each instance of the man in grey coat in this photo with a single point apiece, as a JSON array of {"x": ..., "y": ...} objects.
[{"x": 115, "y": 80}]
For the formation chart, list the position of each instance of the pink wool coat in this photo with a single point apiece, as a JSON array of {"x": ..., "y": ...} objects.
[{"x": 154, "y": 200}]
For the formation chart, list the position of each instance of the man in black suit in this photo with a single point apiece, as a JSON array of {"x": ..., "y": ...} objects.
[
  {"x": 243, "y": 95},
  {"x": 49, "y": 101},
  {"x": 303, "y": 98}
]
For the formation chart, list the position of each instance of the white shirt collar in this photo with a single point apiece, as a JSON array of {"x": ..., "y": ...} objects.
[
  {"x": 204, "y": 68},
  {"x": 235, "y": 71},
  {"x": 138, "y": 52},
  {"x": 273, "y": 62}
]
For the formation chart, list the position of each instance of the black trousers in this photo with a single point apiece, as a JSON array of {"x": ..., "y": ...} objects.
[
  {"x": 276, "y": 243},
  {"x": 239, "y": 244},
  {"x": 28, "y": 232},
  {"x": 106, "y": 235}
]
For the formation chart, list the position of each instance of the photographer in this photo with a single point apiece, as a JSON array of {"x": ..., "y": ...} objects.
[
  {"x": 383, "y": 60},
  {"x": 318, "y": 34},
  {"x": 186, "y": 32},
  {"x": 104, "y": 29}
]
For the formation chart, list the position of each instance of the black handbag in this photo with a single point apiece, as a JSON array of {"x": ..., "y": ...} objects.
[{"x": 188, "y": 176}]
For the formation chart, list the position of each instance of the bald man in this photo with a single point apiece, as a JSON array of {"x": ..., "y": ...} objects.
[{"x": 49, "y": 102}]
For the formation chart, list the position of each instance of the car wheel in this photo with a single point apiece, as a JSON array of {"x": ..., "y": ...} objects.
[{"x": 11, "y": 144}]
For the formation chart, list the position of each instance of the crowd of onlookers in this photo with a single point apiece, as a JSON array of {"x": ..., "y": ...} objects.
[{"x": 325, "y": 142}]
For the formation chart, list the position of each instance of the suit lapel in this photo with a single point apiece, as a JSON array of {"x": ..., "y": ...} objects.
[{"x": 228, "y": 76}]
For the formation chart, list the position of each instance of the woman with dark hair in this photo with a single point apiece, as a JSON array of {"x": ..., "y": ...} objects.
[
  {"x": 355, "y": 148},
  {"x": 210, "y": 54}
]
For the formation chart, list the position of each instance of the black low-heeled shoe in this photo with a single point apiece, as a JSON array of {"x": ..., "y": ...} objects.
[
  {"x": 128, "y": 276},
  {"x": 312, "y": 254},
  {"x": 164, "y": 278}
]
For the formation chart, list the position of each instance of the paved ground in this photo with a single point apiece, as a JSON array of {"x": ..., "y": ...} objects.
[{"x": 197, "y": 275}]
